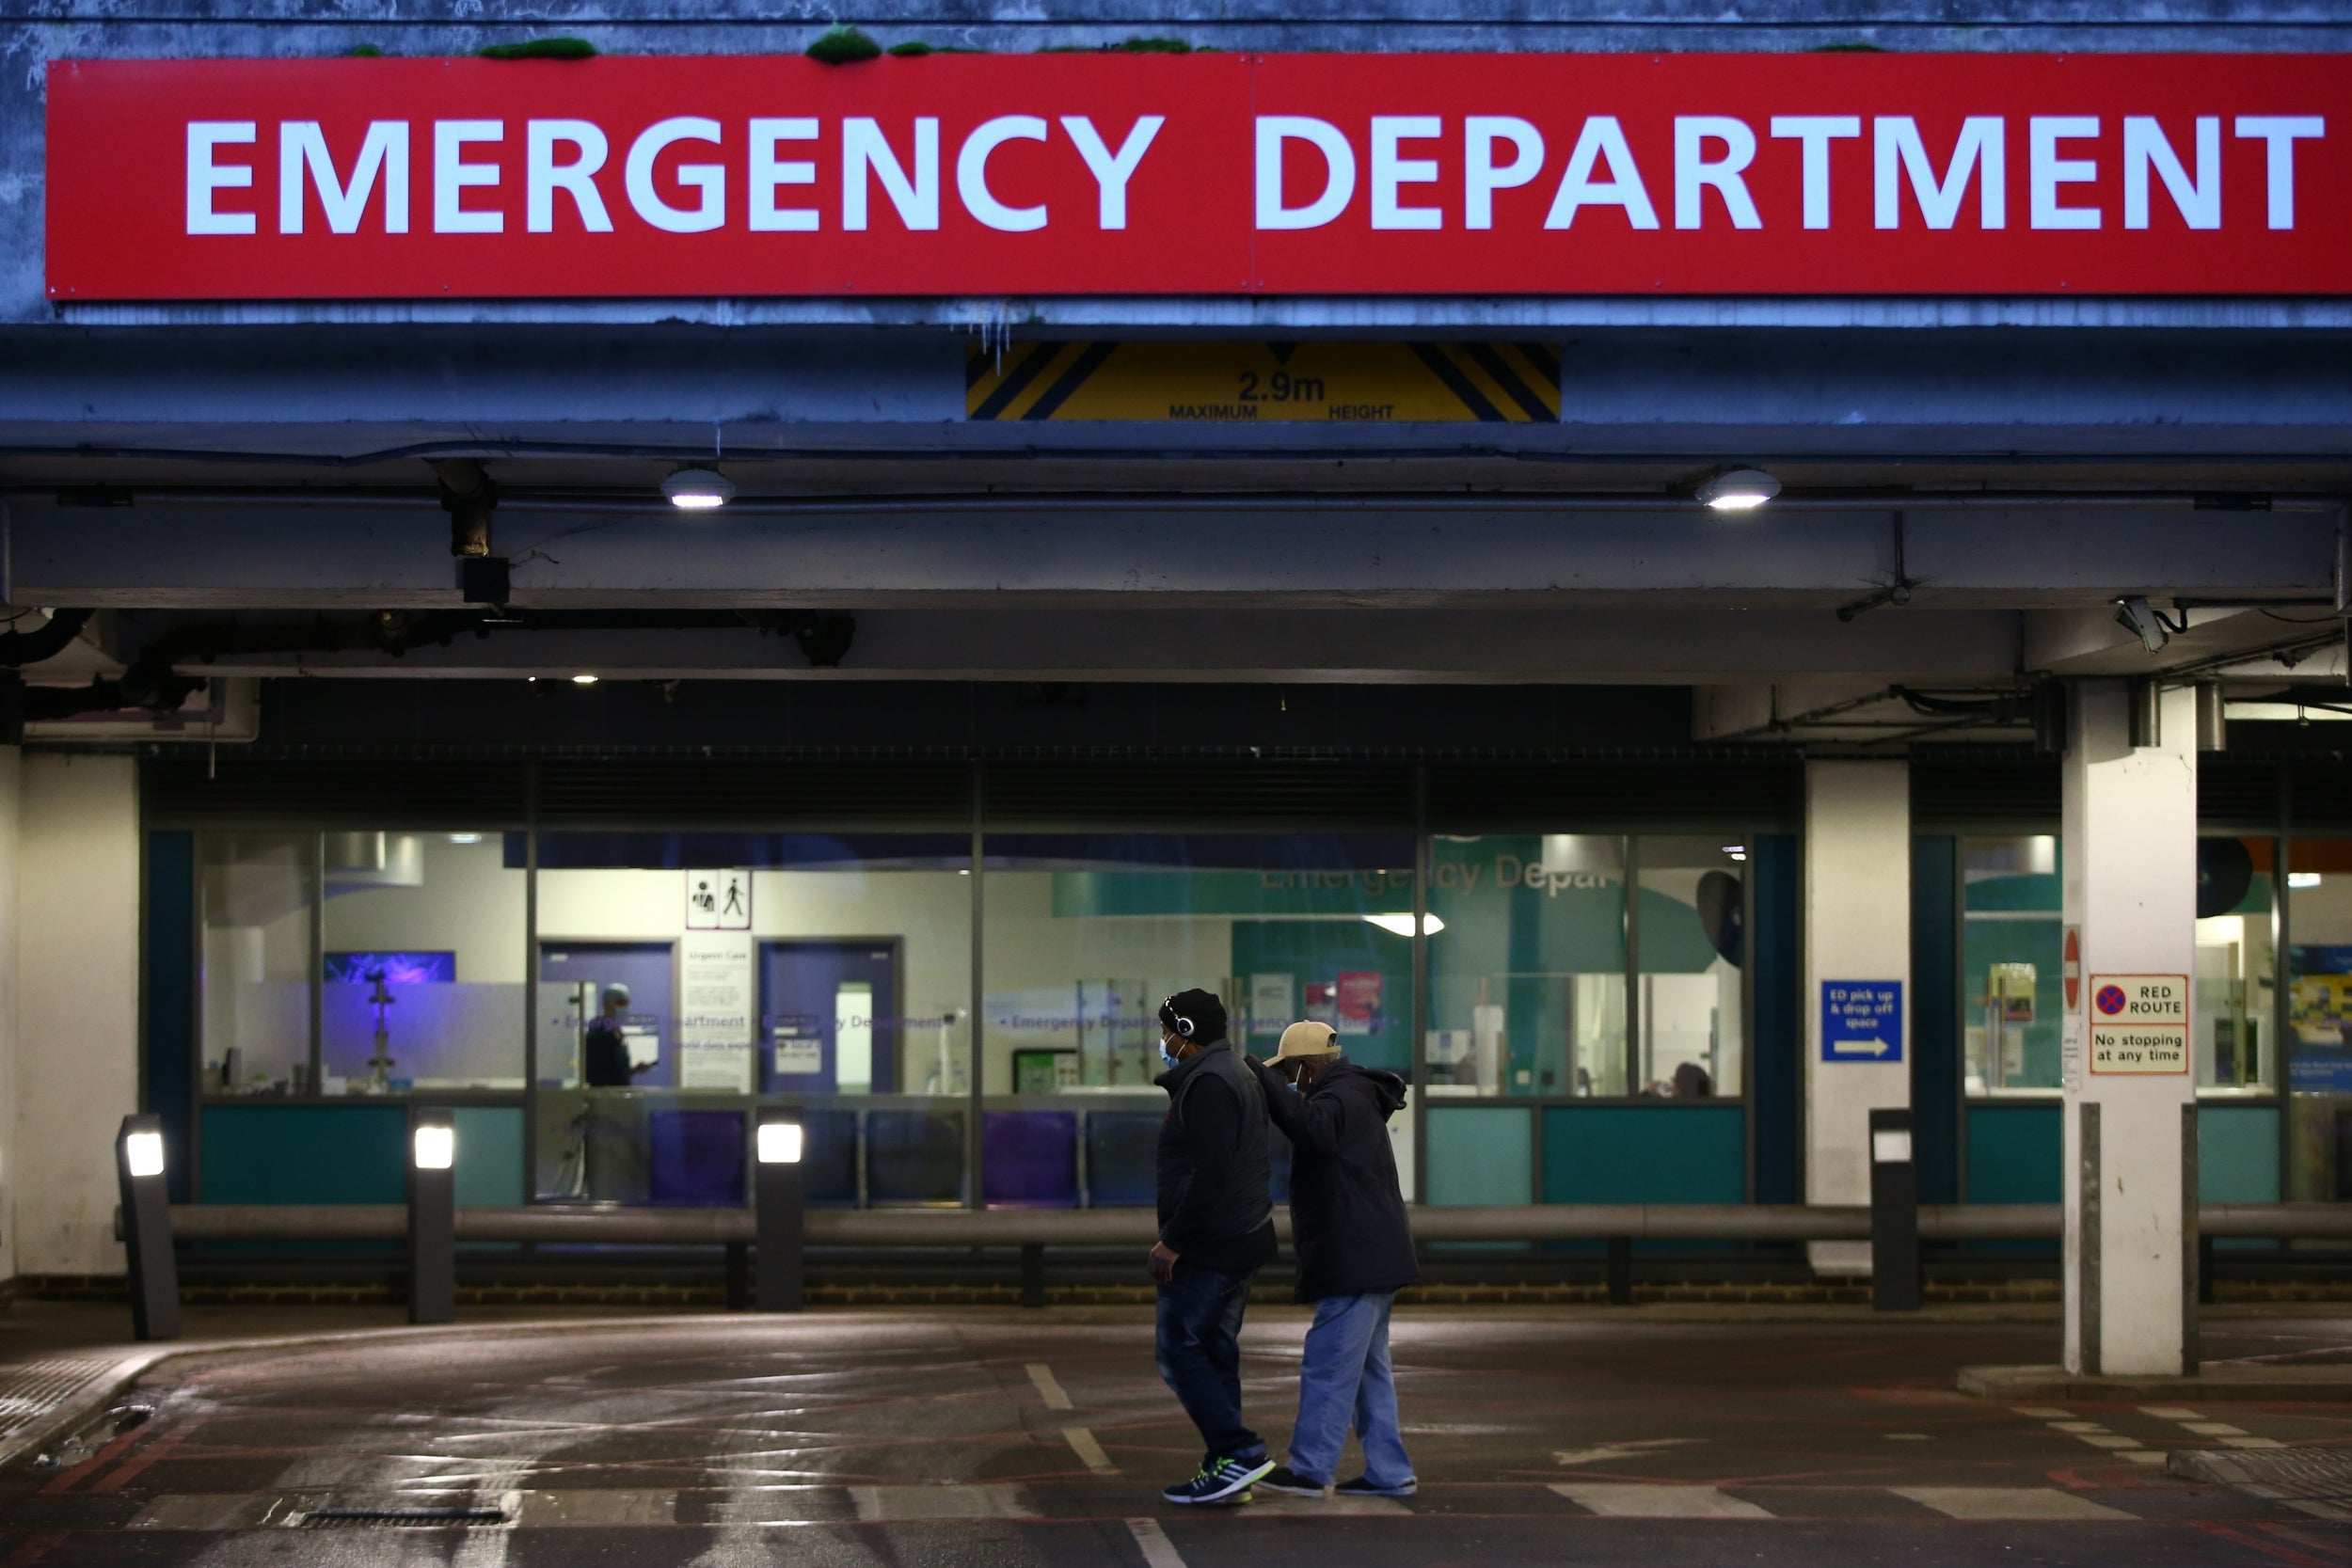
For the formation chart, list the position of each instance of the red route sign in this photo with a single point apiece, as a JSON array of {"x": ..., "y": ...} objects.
[{"x": 1207, "y": 174}]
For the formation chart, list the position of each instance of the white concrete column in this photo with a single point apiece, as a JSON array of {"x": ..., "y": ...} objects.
[
  {"x": 12, "y": 1173},
  {"x": 2130, "y": 863},
  {"x": 77, "y": 1071},
  {"x": 1857, "y": 928}
]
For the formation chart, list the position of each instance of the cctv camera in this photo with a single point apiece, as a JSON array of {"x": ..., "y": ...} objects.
[{"x": 2139, "y": 617}]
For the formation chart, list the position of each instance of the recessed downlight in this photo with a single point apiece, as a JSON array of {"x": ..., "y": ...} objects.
[
  {"x": 698, "y": 489},
  {"x": 1738, "y": 490}
]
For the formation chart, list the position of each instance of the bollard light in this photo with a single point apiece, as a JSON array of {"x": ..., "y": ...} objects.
[
  {"x": 778, "y": 1145},
  {"x": 779, "y": 1142},
  {"x": 435, "y": 1148},
  {"x": 432, "y": 1217},
  {"x": 143, "y": 1152},
  {"x": 1894, "y": 1213},
  {"x": 154, "y": 1277}
]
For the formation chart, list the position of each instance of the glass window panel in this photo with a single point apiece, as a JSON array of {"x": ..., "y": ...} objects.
[
  {"x": 2235, "y": 968},
  {"x": 258, "y": 974},
  {"x": 422, "y": 973},
  {"x": 1692, "y": 924},
  {"x": 2012, "y": 942},
  {"x": 2319, "y": 1015},
  {"x": 1527, "y": 965},
  {"x": 835, "y": 972},
  {"x": 1086, "y": 935}
]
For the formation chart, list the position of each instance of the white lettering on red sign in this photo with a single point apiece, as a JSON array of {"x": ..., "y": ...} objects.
[{"x": 1206, "y": 174}]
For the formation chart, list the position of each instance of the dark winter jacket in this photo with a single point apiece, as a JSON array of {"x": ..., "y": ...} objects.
[
  {"x": 1215, "y": 1182},
  {"x": 1348, "y": 1212}
]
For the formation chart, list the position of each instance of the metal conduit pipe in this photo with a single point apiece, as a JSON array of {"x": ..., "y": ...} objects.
[{"x": 1115, "y": 1228}]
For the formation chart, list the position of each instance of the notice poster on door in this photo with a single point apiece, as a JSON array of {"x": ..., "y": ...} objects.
[
  {"x": 1270, "y": 1003},
  {"x": 715, "y": 1012},
  {"x": 1358, "y": 1000}
]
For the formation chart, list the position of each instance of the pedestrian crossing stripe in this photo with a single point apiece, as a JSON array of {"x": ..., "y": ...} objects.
[{"x": 1232, "y": 383}]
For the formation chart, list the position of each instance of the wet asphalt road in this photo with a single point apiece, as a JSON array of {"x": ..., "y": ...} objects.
[{"x": 1029, "y": 1440}]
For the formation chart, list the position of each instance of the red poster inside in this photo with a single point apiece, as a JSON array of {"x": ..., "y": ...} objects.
[{"x": 1208, "y": 174}]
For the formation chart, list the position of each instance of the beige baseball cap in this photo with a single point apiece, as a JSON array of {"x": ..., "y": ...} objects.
[{"x": 1307, "y": 1040}]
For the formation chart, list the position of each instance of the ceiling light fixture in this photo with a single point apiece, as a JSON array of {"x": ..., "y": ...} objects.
[
  {"x": 583, "y": 680},
  {"x": 698, "y": 489},
  {"x": 1740, "y": 490}
]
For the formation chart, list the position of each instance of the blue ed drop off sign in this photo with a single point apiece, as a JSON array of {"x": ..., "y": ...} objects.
[{"x": 1862, "y": 1020}]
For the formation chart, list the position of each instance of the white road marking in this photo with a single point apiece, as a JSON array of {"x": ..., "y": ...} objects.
[
  {"x": 1048, "y": 1387},
  {"x": 2142, "y": 1456},
  {"x": 941, "y": 1502},
  {"x": 206, "y": 1511},
  {"x": 1158, "y": 1551},
  {"x": 2107, "y": 1440},
  {"x": 2170, "y": 1412},
  {"x": 2317, "y": 1510},
  {"x": 2007, "y": 1502},
  {"x": 2214, "y": 1429},
  {"x": 1629, "y": 1501},
  {"x": 1082, "y": 1443},
  {"x": 2251, "y": 1443},
  {"x": 583, "y": 1506},
  {"x": 1608, "y": 1451},
  {"x": 2042, "y": 1412},
  {"x": 2076, "y": 1426}
]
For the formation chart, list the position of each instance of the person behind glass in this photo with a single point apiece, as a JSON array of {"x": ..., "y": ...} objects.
[
  {"x": 1355, "y": 1251},
  {"x": 604, "y": 1062},
  {"x": 1217, "y": 1230}
]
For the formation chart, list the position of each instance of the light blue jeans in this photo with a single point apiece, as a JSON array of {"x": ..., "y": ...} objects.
[{"x": 1346, "y": 1370}]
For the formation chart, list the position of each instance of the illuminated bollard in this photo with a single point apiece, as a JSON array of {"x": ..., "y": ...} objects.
[
  {"x": 147, "y": 1229},
  {"x": 778, "y": 1199},
  {"x": 1894, "y": 1214},
  {"x": 432, "y": 1217}
]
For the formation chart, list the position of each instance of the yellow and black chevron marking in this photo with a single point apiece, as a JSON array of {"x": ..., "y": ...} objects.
[{"x": 1257, "y": 383}]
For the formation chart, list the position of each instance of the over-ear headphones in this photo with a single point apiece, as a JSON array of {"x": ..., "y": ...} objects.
[{"x": 1183, "y": 1025}]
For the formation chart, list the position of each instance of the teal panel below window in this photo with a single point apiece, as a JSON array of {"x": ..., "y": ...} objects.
[
  {"x": 1480, "y": 1154},
  {"x": 489, "y": 1156},
  {"x": 2014, "y": 1153},
  {"x": 1639, "y": 1154},
  {"x": 304, "y": 1154},
  {"x": 2238, "y": 1153}
]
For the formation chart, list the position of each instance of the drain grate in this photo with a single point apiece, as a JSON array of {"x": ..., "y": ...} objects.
[
  {"x": 2313, "y": 1474},
  {"x": 398, "y": 1519},
  {"x": 32, "y": 1392}
]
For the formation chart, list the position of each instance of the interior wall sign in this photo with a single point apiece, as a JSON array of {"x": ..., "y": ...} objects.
[{"x": 1202, "y": 174}]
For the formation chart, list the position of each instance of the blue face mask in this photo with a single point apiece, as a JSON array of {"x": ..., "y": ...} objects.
[{"x": 1166, "y": 1058}]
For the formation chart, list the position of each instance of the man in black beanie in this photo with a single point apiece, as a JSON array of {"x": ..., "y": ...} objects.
[{"x": 1217, "y": 1230}]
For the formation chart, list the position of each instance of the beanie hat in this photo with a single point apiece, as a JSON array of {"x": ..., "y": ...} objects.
[
  {"x": 1307, "y": 1040},
  {"x": 1195, "y": 1016}
]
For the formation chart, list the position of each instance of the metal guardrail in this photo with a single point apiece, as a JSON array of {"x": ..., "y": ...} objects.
[{"x": 560, "y": 1225}]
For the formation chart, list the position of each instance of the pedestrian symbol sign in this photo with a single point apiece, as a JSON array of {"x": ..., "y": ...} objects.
[{"x": 1862, "y": 1020}]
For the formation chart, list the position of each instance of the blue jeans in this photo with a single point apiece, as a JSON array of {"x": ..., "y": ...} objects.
[
  {"x": 1199, "y": 1350},
  {"x": 1347, "y": 1370}
]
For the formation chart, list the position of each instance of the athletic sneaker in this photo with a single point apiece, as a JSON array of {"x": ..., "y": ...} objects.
[
  {"x": 1222, "y": 1481},
  {"x": 1284, "y": 1479},
  {"x": 1362, "y": 1487}
]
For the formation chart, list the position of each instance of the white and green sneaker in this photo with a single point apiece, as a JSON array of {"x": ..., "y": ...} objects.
[{"x": 1221, "y": 1480}]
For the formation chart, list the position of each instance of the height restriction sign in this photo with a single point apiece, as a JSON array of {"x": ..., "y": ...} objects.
[{"x": 2139, "y": 1024}]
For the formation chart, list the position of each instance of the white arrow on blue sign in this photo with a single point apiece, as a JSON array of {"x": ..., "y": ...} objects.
[{"x": 1862, "y": 1020}]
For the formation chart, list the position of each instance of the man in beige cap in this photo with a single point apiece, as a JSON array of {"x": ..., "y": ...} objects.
[{"x": 1354, "y": 1250}]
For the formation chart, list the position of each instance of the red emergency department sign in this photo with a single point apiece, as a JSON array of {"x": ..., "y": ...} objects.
[{"x": 1208, "y": 174}]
